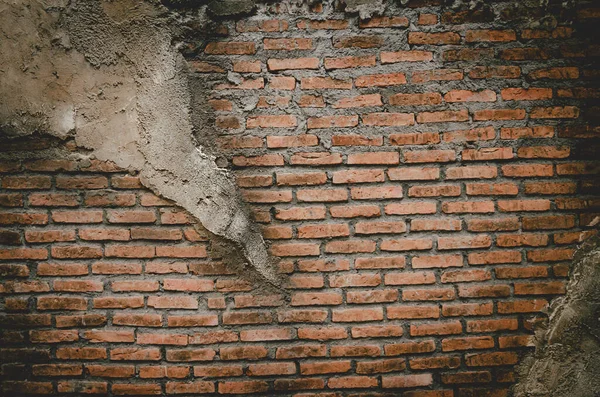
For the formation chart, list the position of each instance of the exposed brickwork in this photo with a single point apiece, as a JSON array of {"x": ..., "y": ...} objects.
[{"x": 425, "y": 185}]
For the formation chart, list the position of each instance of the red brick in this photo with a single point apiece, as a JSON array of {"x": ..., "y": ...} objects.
[
  {"x": 324, "y": 83},
  {"x": 406, "y": 56},
  {"x": 230, "y": 48},
  {"x": 490, "y": 35},
  {"x": 349, "y": 62},
  {"x": 290, "y": 44},
  {"x": 467, "y": 309},
  {"x": 491, "y": 359},
  {"x": 438, "y": 294},
  {"x": 380, "y": 80},
  {"x": 472, "y": 135},
  {"x": 271, "y": 369},
  {"x": 495, "y": 72},
  {"x": 372, "y": 158},
  {"x": 467, "y": 343},
  {"x": 428, "y": 98},
  {"x": 483, "y": 291},
  {"x": 409, "y": 278},
  {"x": 355, "y": 351},
  {"x": 419, "y": 138},
  {"x": 443, "y": 116},
  {"x": 367, "y": 100},
  {"x": 442, "y": 38},
  {"x": 383, "y": 22},
  {"x": 557, "y": 73},
  {"x": 425, "y": 76},
  {"x": 406, "y": 244},
  {"x": 375, "y": 193},
  {"x": 406, "y": 381},
  {"x": 332, "y": 122},
  {"x": 499, "y": 114},
  {"x": 413, "y": 174},
  {"x": 388, "y": 119},
  {"x": 143, "y": 389},
  {"x": 470, "y": 96},
  {"x": 397, "y": 349},
  {"x": 429, "y": 156}
]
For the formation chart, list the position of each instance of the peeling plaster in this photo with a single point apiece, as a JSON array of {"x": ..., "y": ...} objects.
[{"x": 107, "y": 74}]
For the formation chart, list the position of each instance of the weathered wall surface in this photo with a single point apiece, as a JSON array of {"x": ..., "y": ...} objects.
[
  {"x": 567, "y": 357},
  {"x": 425, "y": 177}
]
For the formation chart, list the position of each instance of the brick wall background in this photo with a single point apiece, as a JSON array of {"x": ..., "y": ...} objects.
[{"x": 425, "y": 177}]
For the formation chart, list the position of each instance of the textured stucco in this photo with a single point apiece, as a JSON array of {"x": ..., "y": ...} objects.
[{"x": 108, "y": 74}]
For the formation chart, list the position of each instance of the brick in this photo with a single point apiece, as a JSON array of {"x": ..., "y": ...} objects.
[
  {"x": 358, "y": 176},
  {"x": 467, "y": 309},
  {"x": 327, "y": 24},
  {"x": 491, "y": 359},
  {"x": 495, "y": 72},
  {"x": 388, "y": 119},
  {"x": 443, "y": 116},
  {"x": 428, "y": 98},
  {"x": 467, "y": 343},
  {"x": 423, "y": 138},
  {"x": 558, "y": 73},
  {"x": 230, "y": 48},
  {"x": 300, "y": 351},
  {"x": 374, "y": 158},
  {"x": 383, "y": 22},
  {"x": 409, "y": 278},
  {"x": 323, "y": 230},
  {"x": 414, "y": 174},
  {"x": 492, "y": 189},
  {"x": 470, "y": 96},
  {"x": 435, "y": 225},
  {"x": 527, "y": 132},
  {"x": 375, "y": 193},
  {"x": 468, "y": 207},
  {"x": 531, "y": 170},
  {"x": 483, "y": 291},
  {"x": 555, "y": 112},
  {"x": 406, "y": 244},
  {"x": 355, "y": 351},
  {"x": 325, "y": 367},
  {"x": 490, "y": 36},
  {"x": 406, "y": 56},
  {"x": 425, "y": 76},
  {"x": 26, "y": 182},
  {"x": 472, "y": 135},
  {"x": 438, "y": 294},
  {"x": 499, "y": 114},
  {"x": 380, "y": 80},
  {"x": 380, "y": 263},
  {"x": 144, "y": 389},
  {"x": 324, "y": 83},
  {"x": 349, "y": 62},
  {"x": 368, "y": 100},
  {"x": 405, "y": 381},
  {"x": 363, "y": 297},
  {"x": 315, "y": 159},
  {"x": 332, "y": 122},
  {"x": 379, "y": 227},
  {"x": 442, "y": 38},
  {"x": 434, "y": 191},
  {"x": 523, "y": 94},
  {"x": 290, "y": 44}
]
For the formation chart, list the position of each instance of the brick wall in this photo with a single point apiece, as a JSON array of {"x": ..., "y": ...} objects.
[{"x": 425, "y": 177}]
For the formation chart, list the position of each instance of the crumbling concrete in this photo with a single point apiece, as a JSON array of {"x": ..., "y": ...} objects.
[
  {"x": 107, "y": 73},
  {"x": 567, "y": 357}
]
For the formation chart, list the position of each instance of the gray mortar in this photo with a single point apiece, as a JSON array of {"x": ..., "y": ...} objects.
[
  {"x": 108, "y": 75},
  {"x": 567, "y": 357}
]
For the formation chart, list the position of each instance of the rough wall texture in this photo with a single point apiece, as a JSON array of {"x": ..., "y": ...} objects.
[{"x": 425, "y": 175}]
